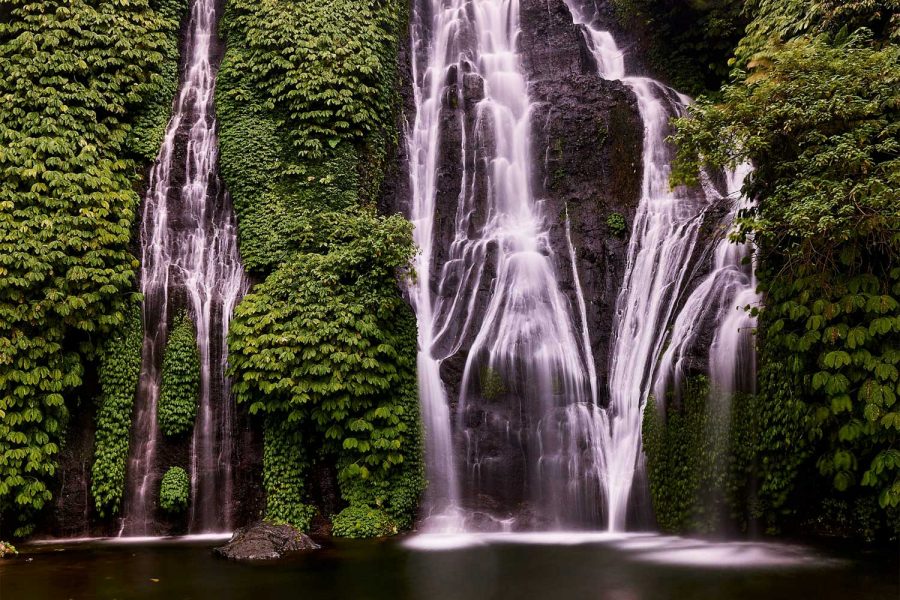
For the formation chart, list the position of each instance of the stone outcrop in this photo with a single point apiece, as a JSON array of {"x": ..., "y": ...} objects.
[{"x": 265, "y": 541}]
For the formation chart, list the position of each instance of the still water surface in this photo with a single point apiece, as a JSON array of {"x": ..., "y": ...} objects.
[{"x": 533, "y": 567}]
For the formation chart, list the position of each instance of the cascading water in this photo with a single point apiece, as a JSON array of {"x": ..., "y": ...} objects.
[
  {"x": 524, "y": 356},
  {"x": 720, "y": 299},
  {"x": 189, "y": 257},
  {"x": 663, "y": 241}
]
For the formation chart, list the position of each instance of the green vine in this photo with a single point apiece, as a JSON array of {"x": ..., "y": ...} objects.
[
  {"x": 180, "y": 379},
  {"x": 120, "y": 368},
  {"x": 74, "y": 77},
  {"x": 284, "y": 467}
]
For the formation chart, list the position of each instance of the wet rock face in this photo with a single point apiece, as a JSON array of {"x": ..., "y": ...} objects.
[
  {"x": 589, "y": 134},
  {"x": 586, "y": 148},
  {"x": 265, "y": 541}
]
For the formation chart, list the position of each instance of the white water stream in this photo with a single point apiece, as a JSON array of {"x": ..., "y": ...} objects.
[
  {"x": 500, "y": 256},
  {"x": 189, "y": 256}
]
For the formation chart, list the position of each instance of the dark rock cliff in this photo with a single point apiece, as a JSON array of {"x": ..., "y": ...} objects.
[{"x": 590, "y": 134}]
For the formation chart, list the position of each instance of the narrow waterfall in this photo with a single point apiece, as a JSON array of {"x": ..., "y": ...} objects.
[
  {"x": 189, "y": 259},
  {"x": 663, "y": 241},
  {"x": 491, "y": 295},
  {"x": 719, "y": 299}
]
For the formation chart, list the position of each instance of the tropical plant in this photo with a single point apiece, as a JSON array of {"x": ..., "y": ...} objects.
[
  {"x": 177, "y": 406},
  {"x": 175, "y": 490}
]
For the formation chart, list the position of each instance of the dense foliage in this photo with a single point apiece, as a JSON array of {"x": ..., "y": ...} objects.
[
  {"x": 284, "y": 467},
  {"x": 177, "y": 407},
  {"x": 75, "y": 76},
  {"x": 686, "y": 459},
  {"x": 174, "y": 491},
  {"x": 120, "y": 368},
  {"x": 687, "y": 41},
  {"x": 815, "y": 105},
  {"x": 324, "y": 345}
]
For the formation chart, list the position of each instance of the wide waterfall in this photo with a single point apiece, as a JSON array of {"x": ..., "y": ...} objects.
[
  {"x": 189, "y": 259},
  {"x": 492, "y": 295},
  {"x": 524, "y": 426}
]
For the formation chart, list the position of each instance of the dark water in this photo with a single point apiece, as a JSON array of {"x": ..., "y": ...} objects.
[{"x": 388, "y": 570}]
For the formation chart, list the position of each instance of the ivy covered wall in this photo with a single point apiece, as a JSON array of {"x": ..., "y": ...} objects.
[
  {"x": 324, "y": 344},
  {"x": 83, "y": 87}
]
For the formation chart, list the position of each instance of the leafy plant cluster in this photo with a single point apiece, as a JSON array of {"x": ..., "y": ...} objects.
[
  {"x": 175, "y": 491},
  {"x": 180, "y": 379},
  {"x": 815, "y": 105},
  {"x": 687, "y": 459},
  {"x": 363, "y": 522},
  {"x": 284, "y": 466},
  {"x": 689, "y": 41},
  {"x": 324, "y": 346},
  {"x": 120, "y": 368},
  {"x": 75, "y": 75}
]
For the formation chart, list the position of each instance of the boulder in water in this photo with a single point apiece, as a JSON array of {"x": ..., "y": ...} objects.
[{"x": 265, "y": 541}]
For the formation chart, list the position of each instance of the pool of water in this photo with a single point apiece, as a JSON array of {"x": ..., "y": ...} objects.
[{"x": 470, "y": 567}]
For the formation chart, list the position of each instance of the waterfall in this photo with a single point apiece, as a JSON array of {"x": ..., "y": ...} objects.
[
  {"x": 663, "y": 242},
  {"x": 719, "y": 299},
  {"x": 492, "y": 296},
  {"x": 189, "y": 258}
]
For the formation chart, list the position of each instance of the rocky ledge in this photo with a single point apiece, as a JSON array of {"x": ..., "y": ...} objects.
[{"x": 265, "y": 541}]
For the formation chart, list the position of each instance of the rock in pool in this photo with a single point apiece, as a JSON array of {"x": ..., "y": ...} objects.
[{"x": 265, "y": 541}]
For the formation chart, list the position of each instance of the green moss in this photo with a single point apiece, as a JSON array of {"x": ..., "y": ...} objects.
[
  {"x": 363, "y": 522},
  {"x": 177, "y": 407},
  {"x": 492, "y": 386},
  {"x": 616, "y": 224},
  {"x": 120, "y": 368},
  {"x": 175, "y": 491}
]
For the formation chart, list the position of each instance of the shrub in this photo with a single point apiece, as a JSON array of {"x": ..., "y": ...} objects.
[
  {"x": 616, "y": 224},
  {"x": 357, "y": 521},
  {"x": 175, "y": 490},
  {"x": 180, "y": 379}
]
